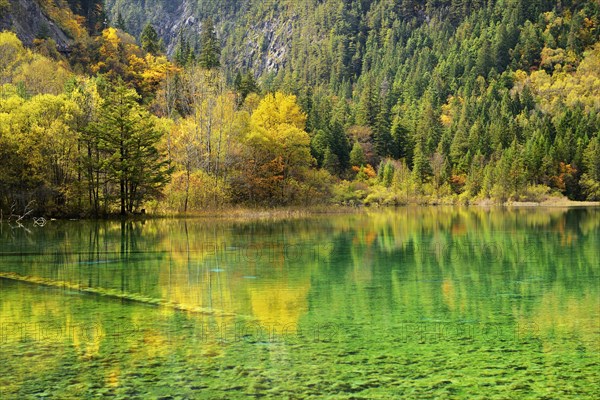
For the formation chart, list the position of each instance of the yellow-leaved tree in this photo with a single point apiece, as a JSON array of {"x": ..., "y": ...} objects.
[
  {"x": 564, "y": 88},
  {"x": 32, "y": 73},
  {"x": 278, "y": 150},
  {"x": 38, "y": 140}
]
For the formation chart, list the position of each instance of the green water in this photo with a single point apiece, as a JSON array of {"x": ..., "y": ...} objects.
[{"x": 412, "y": 303}]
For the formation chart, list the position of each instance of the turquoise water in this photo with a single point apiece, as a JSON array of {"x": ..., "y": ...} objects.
[{"x": 406, "y": 303}]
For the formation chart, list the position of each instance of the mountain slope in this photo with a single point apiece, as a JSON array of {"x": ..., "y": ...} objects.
[
  {"x": 257, "y": 33},
  {"x": 443, "y": 84},
  {"x": 29, "y": 20}
]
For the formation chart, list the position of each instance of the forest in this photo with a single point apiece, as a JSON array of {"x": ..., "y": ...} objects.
[{"x": 370, "y": 103}]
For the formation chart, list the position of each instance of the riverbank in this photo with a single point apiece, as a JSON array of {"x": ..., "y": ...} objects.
[
  {"x": 278, "y": 213},
  {"x": 242, "y": 213},
  {"x": 263, "y": 213},
  {"x": 556, "y": 202}
]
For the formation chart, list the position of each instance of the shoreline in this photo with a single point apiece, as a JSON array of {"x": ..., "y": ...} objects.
[
  {"x": 243, "y": 213},
  {"x": 258, "y": 213},
  {"x": 553, "y": 203}
]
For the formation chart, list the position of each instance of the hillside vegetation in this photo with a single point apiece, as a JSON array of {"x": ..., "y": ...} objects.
[{"x": 194, "y": 105}]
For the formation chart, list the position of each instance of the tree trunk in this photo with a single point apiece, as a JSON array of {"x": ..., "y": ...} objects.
[
  {"x": 122, "y": 197},
  {"x": 187, "y": 189}
]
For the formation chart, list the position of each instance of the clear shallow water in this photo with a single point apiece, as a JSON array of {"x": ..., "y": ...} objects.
[{"x": 412, "y": 303}]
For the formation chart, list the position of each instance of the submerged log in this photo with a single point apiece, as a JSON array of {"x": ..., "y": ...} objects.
[{"x": 114, "y": 294}]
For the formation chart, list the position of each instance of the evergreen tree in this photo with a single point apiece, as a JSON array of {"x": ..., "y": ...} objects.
[
  {"x": 458, "y": 9},
  {"x": 484, "y": 59},
  {"x": 357, "y": 155},
  {"x": 590, "y": 180},
  {"x": 319, "y": 144},
  {"x": 429, "y": 127},
  {"x": 592, "y": 158},
  {"x": 184, "y": 54},
  {"x": 149, "y": 40},
  {"x": 421, "y": 167},
  {"x": 127, "y": 140},
  {"x": 501, "y": 48},
  {"x": 382, "y": 129},
  {"x": 120, "y": 24},
  {"x": 400, "y": 139},
  {"x": 387, "y": 173},
  {"x": 210, "y": 51},
  {"x": 93, "y": 11},
  {"x": 340, "y": 145},
  {"x": 527, "y": 52},
  {"x": 245, "y": 84},
  {"x": 368, "y": 105},
  {"x": 331, "y": 162}
]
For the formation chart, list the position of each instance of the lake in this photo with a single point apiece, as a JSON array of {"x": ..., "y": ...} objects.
[{"x": 406, "y": 303}]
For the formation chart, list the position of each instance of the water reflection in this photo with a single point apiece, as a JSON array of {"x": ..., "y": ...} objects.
[{"x": 291, "y": 294}]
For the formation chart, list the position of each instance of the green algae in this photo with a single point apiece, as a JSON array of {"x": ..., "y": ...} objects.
[{"x": 381, "y": 312}]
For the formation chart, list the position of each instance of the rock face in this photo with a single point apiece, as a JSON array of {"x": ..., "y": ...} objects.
[
  {"x": 275, "y": 37},
  {"x": 27, "y": 19},
  {"x": 265, "y": 44},
  {"x": 266, "y": 40},
  {"x": 169, "y": 18}
]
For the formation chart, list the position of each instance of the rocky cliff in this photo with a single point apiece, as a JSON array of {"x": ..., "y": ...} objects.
[
  {"x": 262, "y": 33},
  {"x": 254, "y": 35},
  {"x": 29, "y": 21}
]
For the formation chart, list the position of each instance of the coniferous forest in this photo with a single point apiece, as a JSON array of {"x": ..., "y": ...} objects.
[{"x": 382, "y": 102}]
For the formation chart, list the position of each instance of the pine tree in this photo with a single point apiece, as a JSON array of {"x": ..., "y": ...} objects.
[
  {"x": 149, "y": 40},
  {"x": 408, "y": 8},
  {"x": 210, "y": 52},
  {"x": 357, "y": 155},
  {"x": 237, "y": 81},
  {"x": 527, "y": 52},
  {"x": 501, "y": 48},
  {"x": 127, "y": 139},
  {"x": 399, "y": 133},
  {"x": 421, "y": 167},
  {"x": 458, "y": 9},
  {"x": 387, "y": 174},
  {"x": 247, "y": 85},
  {"x": 120, "y": 24},
  {"x": 591, "y": 159},
  {"x": 340, "y": 146},
  {"x": 368, "y": 106},
  {"x": 319, "y": 144},
  {"x": 484, "y": 59},
  {"x": 590, "y": 180},
  {"x": 93, "y": 11},
  {"x": 382, "y": 132},
  {"x": 184, "y": 55},
  {"x": 429, "y": 127},
  {"x": 331, "y": 162}
]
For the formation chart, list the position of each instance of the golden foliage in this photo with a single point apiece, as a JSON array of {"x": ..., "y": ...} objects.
[
  {"x": 563, "y": 89},
  {"x": 60, "y": 11}
]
